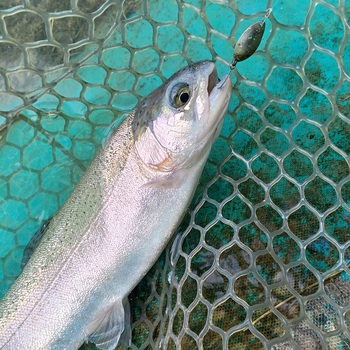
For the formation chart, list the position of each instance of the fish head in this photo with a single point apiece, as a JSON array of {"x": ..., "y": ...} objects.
[{"x": 178, "y": 123}]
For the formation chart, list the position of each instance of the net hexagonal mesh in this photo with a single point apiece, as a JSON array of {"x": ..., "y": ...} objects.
[{"x": 261, "y": 258}]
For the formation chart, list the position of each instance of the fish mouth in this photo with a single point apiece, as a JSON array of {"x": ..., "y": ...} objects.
[{"x": 213, "y": 80}]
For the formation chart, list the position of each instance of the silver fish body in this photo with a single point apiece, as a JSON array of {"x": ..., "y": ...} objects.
[{"x": 118, "y": 219}]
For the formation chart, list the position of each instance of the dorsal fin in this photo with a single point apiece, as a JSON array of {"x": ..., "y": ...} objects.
[{"x": 34, "y": 242}]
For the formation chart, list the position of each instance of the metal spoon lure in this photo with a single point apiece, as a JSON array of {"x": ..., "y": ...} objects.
[{"x": 249, "y": 41}]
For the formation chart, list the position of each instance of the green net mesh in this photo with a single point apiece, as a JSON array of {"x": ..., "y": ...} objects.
[{"x": 261, "y": 258}]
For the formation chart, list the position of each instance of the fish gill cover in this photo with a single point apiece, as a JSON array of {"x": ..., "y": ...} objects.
[{"x": 261, "y": 258}]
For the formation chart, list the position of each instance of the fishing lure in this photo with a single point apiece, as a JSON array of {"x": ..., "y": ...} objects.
[{"x": 249, "y": 41}]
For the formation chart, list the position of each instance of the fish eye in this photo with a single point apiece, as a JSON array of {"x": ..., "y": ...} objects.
[{"x": 180, "y": 95}]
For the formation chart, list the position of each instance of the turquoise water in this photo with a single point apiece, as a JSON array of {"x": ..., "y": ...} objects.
[{"x": 278, "y": 176}]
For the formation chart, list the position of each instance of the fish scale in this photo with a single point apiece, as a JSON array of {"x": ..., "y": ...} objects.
[{"x": 117, "y": 221}]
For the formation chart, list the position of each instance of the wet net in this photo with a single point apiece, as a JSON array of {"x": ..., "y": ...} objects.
[{"x": 262, "y": 257}]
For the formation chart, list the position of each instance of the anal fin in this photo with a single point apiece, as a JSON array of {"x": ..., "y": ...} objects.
[{"x": 112, "y": 327}]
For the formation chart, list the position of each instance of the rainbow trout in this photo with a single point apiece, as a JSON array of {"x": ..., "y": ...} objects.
[{"x": 118, "y": 220}]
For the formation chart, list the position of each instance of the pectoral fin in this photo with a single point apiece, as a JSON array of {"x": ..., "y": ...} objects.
[{"x": 112, "y": 327}]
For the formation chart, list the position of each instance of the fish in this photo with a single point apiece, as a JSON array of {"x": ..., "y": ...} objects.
[{"x": 118, "y": 220}]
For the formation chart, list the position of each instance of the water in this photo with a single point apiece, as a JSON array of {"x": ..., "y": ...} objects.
[{"x": 262, "y": 258}]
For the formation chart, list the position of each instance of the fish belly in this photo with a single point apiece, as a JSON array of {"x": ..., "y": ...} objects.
[{"x": 55, "y": 302}]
